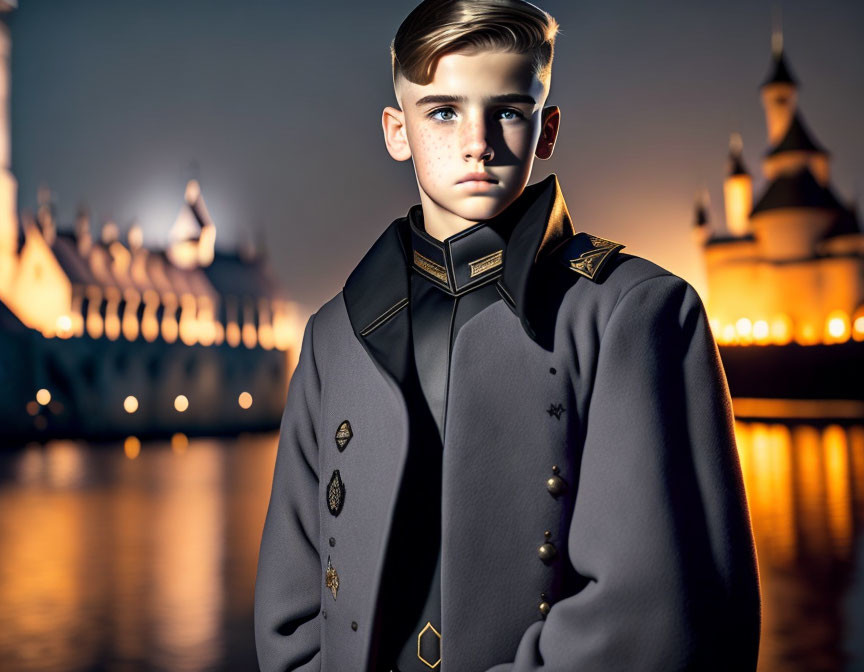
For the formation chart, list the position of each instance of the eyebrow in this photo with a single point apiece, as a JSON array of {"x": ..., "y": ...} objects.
[{"x": 503, "y": 98}]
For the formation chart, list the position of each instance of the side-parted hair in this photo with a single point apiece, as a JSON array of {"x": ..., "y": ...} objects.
[{"x": 436, "y": 27}]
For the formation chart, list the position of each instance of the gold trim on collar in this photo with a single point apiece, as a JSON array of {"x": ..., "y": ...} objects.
[
  {"x": 486, "y": 263},
  {"x": 431, "y": 267}
]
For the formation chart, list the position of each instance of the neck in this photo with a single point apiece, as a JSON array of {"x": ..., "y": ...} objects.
[{"x": 440, "y": 223}]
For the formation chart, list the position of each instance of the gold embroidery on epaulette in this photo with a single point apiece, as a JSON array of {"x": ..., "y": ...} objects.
[
  {"x": 598, "y": 242},
  {"x": 486, "y": 263},
  {"x": 589, "y": 262},
  {"x": 430, "y": 267}
]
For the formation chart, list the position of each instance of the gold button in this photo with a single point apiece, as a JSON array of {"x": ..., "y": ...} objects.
[
  {"x": 555, "y": 485},
  {"x": 547, "y": 551},
  {"x": 544, "y": 608}
]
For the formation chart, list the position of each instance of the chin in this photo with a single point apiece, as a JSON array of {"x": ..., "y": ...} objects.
[{"x": 482, "y": 208}]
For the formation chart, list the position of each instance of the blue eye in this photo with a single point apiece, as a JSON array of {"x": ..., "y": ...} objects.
[
  {"x": 443, "y": 109},
  {"x": 516, "y": 114}
]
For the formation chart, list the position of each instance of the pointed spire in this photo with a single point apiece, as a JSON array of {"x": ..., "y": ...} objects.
[
  {"x": 797, "y": 139},
  {"x": 702, "y": 217},
  {"x": 736, "y": 160},
  {"x": 780, "y": 73}
]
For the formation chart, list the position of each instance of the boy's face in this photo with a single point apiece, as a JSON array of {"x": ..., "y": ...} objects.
[{"x": 482, "y": 113}]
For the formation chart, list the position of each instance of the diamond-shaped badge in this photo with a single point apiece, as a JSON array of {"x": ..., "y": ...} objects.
[
  {"x": 343, "y": 435},
  {"x": 331, "y": 578},
  {"x": 429, "y": 646},
  {"x": 335, "y": 493}
]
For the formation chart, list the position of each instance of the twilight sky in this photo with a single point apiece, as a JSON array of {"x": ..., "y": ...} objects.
[{"x": 275, "y": 106}]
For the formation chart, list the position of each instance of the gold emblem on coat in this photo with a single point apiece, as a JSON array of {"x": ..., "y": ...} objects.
[
  {"x": 588, "y": 253},
  {"x": 431, "y": 267},
  {"x": 331, "y": 578},
  {"x": 335, "y": 493},
  {"x": 486, "y": 263},
  {"x": 429, "y": 633},
  {"x": 343, "y": 435}
]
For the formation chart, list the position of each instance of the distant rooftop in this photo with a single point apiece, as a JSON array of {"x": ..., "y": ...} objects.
[
  {"x": 797, "y": 139},
  {"x": 780, "y": 73},
  {"x": 799, "y": 190}
]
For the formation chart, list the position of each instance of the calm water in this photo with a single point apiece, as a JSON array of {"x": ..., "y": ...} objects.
[{"x": 115, "y": 558}]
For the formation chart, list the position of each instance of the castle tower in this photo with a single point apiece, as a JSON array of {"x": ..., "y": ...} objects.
[
  {"x": 193, "y": 234},
  {"x": 779, "y": 93},
  {"x": 701, "y": 231},
  {"x": 8, "y": 184},
  {"x": 737, "y": 190}
]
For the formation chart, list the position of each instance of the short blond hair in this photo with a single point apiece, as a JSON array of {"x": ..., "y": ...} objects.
[{"x": 436, "y": 27}]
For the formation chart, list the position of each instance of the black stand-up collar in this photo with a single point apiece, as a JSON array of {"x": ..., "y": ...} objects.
[
  {"x": 463, "y": 261},
  {"x": 378, "y": 289}
]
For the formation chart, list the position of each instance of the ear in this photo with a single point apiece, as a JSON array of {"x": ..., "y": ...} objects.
[
  {"x": 548, "y": 132},
  {"x": 395, "y": 136}
]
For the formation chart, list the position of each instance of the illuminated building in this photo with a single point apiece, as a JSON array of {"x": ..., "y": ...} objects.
[
  {"x": 789, "y": 267},
  {"x": 785, "y": 276},
  {"x": 95, "y": 321}
]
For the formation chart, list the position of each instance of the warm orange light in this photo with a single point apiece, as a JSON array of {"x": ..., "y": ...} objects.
[
  {"x": 130, "y": 404},
  {"x": 781, "y": 330},
  {"x": 188, "y": 320},
  {"x": 761, "y": 332},
  {"x": 245, "y": 400},
  {"x": 728, "y": 334},
  {"x": 32, "y": 407},
  {"x": 169, "y": 319},
  {"x": 95, "y": 326},
  {"x": 43, "y": 396},
  {"x": 149, "y": 323},
  {"x": 806, "y": 334},
  {"x": 744, "y": 327},
  {"x": 132, "y": 447},
  {"x": 179, "y": 443},
  {"x": 112, "y": 318},
  {"x": 64, "y": 326},
  {"x": 232, "y": 334},
  {"x": 858, "y": 328},
  {"x": 130, "y": 314},
  {"x": 181, "y": 403},
  {"x": 250, "y": 335},
  {"x": 837, "y": 327}
]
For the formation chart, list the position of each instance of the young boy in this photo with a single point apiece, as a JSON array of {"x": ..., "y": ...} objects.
[{"x": 507, "y": 446}]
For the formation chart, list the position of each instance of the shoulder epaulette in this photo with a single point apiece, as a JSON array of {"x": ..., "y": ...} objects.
[{"x": 586, "y": 254}]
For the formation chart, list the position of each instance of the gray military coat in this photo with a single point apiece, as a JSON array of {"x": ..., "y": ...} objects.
[{"x": 594, "y": 513}]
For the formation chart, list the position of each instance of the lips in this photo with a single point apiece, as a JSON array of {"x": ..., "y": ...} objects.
[{"x": 478, "y": 177}]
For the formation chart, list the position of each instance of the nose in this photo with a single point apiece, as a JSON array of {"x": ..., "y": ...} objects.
[{"x": 475, "y": 141}]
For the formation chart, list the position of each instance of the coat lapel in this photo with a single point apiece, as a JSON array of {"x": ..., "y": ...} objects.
[{"x": 377, "y": 292}]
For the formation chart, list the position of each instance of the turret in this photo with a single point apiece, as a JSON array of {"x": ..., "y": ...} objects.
[
  {"x": 779, "y": 93},
  {"x": 194, "y": 234},
  {"x": 702, "y": 219},
  {"x": 737, "y": 190},
  {"x": 8, "y": 184}
]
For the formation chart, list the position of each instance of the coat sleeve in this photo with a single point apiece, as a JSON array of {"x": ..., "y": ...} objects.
[
  {"x": 660, "y": 527},
  {"x": 287, "y": 587}
]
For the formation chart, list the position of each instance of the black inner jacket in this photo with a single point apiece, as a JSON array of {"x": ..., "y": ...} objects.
[{"x": 451, "y": 281}]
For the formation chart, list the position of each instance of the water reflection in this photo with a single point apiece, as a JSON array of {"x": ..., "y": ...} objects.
[
  {"x": 805, "y": 485},
  {"x": 146, "y": 559},
  {"x": 117, "y": 563}
]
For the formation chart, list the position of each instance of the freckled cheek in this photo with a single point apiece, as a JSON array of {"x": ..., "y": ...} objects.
[{"x": 435, "y": 154}]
